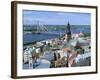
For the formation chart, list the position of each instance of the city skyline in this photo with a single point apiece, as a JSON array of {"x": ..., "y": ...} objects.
[{"x": 31, "y": 17}]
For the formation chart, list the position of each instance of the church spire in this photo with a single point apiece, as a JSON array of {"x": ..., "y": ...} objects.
[{"x": 68, "y": 32}]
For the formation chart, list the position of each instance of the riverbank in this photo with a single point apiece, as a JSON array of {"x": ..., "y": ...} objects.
[{"x": 58, "y": 52}]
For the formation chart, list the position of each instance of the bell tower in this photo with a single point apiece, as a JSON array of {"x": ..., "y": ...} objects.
[{"x": 68, "y": 32}]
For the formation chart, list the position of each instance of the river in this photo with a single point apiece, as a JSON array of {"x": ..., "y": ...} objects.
[{"x": 29, "y": 38}]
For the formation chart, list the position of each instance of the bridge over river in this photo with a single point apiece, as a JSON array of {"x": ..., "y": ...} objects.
[{"x": 45, "y": 29}]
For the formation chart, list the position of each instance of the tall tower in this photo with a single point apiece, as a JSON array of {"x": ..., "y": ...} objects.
[{"x": 68, "y": 32}]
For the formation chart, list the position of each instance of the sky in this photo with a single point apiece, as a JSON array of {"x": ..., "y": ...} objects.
[{"x": 31, "y": 17}]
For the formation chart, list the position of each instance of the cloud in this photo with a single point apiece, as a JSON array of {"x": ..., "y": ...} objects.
[
  {"x": 27, "y": 12},
  {"x": 32, "y": 20},
  {"x": 60, "y": 13}
]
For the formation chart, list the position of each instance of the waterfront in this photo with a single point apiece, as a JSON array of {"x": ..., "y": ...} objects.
[
  {"x": 57, "y": 50},
  {"x": 29, "y": 37},
  {"x": 55, "y": 39}
]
